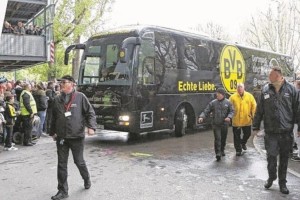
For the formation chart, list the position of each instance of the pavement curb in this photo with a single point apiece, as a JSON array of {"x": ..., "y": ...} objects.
[{"x": 258, "y": 142}]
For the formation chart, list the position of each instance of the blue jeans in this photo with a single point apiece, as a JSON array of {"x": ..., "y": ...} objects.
[{"x": 42, "y": 115}]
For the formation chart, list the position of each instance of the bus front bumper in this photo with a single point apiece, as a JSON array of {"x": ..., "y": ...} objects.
[{"x": 112, "y": 135}]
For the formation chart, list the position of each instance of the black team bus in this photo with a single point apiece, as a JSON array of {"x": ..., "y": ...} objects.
[{"x": 143, "y": 79}]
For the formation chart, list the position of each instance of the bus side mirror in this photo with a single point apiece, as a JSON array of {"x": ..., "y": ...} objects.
[
  {"x": 70, "y": 48},
  {"x": 124, "y": 54}
]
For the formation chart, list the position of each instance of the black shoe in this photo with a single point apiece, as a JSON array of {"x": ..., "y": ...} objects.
[
  {"x": 223, "y": 153},
  {"x": 238, "y": 153},
  {"x": 244, "y": 147},
  {"x": 268, "y": 183},
  {"x": 283, "y": 189},
  {"x": 87, "y": 183},
  {"x": 218, "y": 158},
  {"x": 28, "y": 144},
  {"x": 60, "y": 195}
]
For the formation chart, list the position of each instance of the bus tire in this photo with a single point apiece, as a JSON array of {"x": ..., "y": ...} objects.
[
  {"x": 18, "y": 137},
  {"x": 181, "y": 119},
  {"x": 133, "y": 137}
]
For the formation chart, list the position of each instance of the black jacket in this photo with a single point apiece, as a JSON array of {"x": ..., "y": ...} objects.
[
  {"x": 82, "y": 115},
  {"x": 51, "y": 95},
  {"x": 220, "y": 110},
  {"x": 40, "y": 99},
  {"x": 278, "y": 111}
]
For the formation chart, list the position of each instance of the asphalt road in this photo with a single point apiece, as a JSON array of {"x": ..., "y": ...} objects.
[{"x": 158, "y": 166}]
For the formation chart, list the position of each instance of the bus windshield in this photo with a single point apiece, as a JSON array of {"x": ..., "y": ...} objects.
[{"x": 101, "y": 64}]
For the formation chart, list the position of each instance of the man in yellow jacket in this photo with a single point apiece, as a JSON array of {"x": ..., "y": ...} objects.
[{"x": 244, "y": 105}]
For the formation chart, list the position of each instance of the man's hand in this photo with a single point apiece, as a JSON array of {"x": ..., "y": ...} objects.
[
  {"x": 90, "y": 132},
  {"x": 200, "y": 120},
  {"x": 54, "y": 137},
  {"x": 255, "y": 132},
  {"x": 227, "y": 119}
]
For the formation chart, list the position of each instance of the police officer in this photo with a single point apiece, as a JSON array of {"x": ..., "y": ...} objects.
[
  {"x": 222, "y": 112},
  {"x": 278, "y": 107},
  {"x": 28, "y": 110},
  {"x": 72, "y": 112}
]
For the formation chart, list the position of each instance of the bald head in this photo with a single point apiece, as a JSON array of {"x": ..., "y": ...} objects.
[{"x": 240, "y": 88}]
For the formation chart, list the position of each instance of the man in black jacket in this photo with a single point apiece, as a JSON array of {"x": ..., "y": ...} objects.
[
  {"x": 72, "y": 112},
  {"x": 222, "y": 112},
  {"x": 50, "y": 93},
  {"x": 278, "y": 107}
]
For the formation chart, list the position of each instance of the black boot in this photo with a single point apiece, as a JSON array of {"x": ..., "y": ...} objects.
[
  {"x": 268, "y": 183},
  {"x": 60, "y": 195},
  {"x": 283, "y": 189},
  {"x": 87, "y": 183}
]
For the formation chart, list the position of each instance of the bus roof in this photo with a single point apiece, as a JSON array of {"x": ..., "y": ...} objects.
[{"x": 137, "y": 29}]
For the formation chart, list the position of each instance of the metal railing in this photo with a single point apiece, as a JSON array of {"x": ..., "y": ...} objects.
[{"x": 12, "y": 45}]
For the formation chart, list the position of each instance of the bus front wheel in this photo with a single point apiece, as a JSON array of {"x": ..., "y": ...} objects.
[{"x": 181, "y": 119}]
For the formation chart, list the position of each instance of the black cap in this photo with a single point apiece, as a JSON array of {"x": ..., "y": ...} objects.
[
  {"x": 221, "y": 91},
  {"x": 67, "y": 78}
]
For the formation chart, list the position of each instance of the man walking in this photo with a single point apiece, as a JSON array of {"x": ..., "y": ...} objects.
[
  {"x": 72, "y": 112},
  {"x": 222, "y": 112},
  {"x": 278, "y": 107},
  {"x": 244, "y": 106}
]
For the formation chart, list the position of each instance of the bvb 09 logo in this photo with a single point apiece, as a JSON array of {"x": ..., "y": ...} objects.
[{"x": 232, "y": 68}]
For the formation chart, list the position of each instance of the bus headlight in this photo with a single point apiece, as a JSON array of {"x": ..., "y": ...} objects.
[{"x": 124, "y": 118}]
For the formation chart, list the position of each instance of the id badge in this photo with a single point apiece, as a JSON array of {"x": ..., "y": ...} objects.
[
  {"x": 68, "y": 114},
  {"x": 266, "y": 96}
]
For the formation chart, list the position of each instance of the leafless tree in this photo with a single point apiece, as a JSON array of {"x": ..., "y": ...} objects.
[
  {"x": 213, "y": 30},
  {"x": 277, "y": 29}
]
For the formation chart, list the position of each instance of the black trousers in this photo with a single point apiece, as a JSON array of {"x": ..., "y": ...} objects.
[
  {"x": 220, "y": 133},
  {"x": 237, "y": 140},
  {"x": 27, "y": 127},
  {"x": 63, "y": 147},
  {"x": 9, "y": 135},
  {"x": 48, "y": 120},
  {"x": 278, "y": 144}
]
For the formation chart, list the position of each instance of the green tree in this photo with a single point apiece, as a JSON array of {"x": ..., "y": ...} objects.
[{"x": 72, "y": 20}]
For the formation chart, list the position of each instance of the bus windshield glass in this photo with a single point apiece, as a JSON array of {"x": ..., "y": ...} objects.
[{"x": 101, "y": 64}]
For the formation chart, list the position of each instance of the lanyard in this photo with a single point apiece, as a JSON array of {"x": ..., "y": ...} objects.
[{"x": 68, "y": 105}]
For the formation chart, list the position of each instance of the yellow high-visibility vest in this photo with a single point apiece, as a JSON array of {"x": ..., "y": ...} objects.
[{"x": 32, "y": 104}]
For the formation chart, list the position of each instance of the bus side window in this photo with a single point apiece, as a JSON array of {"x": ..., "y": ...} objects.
[{"x": 148, "y": 71}]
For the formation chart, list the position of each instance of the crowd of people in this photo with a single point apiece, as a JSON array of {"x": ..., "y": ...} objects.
[
  {"x": 20, "y": 104},
  {"x": 63, "y": 113},
  {"x": 20, "y": 29},
  {"x": 65, "y": 118}
]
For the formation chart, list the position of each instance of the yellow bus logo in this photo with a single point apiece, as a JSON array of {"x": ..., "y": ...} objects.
[{"x": 232, "y": 68}]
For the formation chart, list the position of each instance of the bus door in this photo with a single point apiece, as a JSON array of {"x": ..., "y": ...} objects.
[{"x": 151, "y": 111}]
